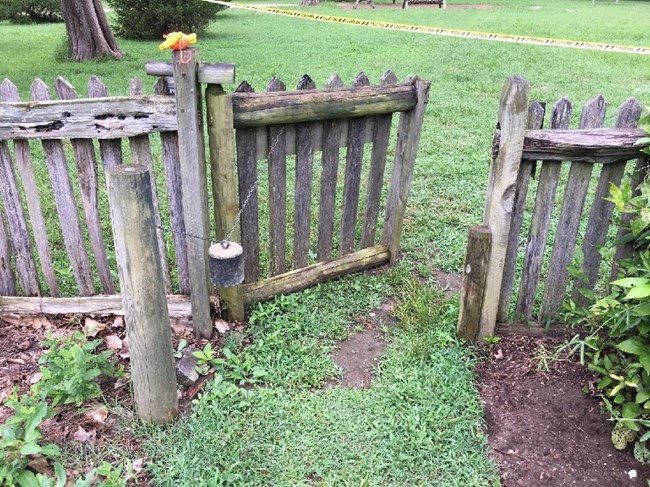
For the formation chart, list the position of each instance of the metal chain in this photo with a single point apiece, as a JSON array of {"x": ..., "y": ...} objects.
[
  {"x": 224, "y": 242},
  {"x": 251, "y": 190}
]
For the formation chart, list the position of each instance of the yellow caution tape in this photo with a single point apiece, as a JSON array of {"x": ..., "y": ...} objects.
[{"x": 490, "y": 36}]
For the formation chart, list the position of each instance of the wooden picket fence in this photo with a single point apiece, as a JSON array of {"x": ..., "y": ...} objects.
[
  {"x": 495, "y": 249},
  {"x": 266, "y": 127}
]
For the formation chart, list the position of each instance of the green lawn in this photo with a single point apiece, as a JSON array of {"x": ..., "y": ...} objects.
[{"x": 420, "y": 423}]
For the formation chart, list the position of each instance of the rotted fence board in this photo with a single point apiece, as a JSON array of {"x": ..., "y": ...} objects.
[
  {"x": 277, "y": 167},
  {"x": 380, "y": 141},
  {"x": 332, "y": 131},
  {"x": 7, "y": 281},
  {"x": 541, "y": 220},
  {"x": 107, "y": 118},
  {"x": 252, "y": 110},
  {"x": 305, "y": 277},
  {"x": 511, "y": 120},
  {"x": 66, "y": 205},
  {"x": 110, "y": 148},
  {"x": 577, "y": 186},
  {"x": 247, "y": 167},
  {"x": 602, "y": 209},
  {"x": 408, "y": 138},
  {"x": 9, "y": 93},
  {"x": 352, "y": 184},
  {"x": 141, "y": 154},
  {"x": 303, "y": 184},
  {"x": 172, "y": 163},
  {"x": 21, "y": 247},
  {"x": 178, "y": 305},
  {"x": 191, "y": 150},
  {"x": 591, "y": 145},
  {"x": 224, "y": 185},
  {"x": 536, "y": 112},
  {"x": 86, "y": 164}
]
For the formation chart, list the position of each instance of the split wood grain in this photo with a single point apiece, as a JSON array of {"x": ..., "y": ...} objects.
[
  {"x": 172, "y": 163},
  {"x": 9, "y": 93},
  {"x": 575, "y": 193},
  {"x": 86, "y": 164},
  {"x": 7, "y": 281},
  {"x": 110, "y": 148},
  {"x": 66, "y": 205},
  {"x": 541, "y": 220},
  {"x": 536, "y": 112},
  {"x": 352, "y": 183},
  {"x": 303, "y": 184}
]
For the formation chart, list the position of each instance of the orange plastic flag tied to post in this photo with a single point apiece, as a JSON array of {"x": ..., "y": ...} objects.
[{"x": 177, "y": 41}]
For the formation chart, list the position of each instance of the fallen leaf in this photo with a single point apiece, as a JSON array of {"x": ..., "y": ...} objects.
[
  {"x": 499, "y": 354},
  {"x": 24, "y": 345},
  {"x": 221, "y": 326},
  {"x": 181, "y": 326},
  {"x": 38, "y": 322},
  {"x": 12, "y": 319},
  {"x": 83, "y": 436},
  {"x": 118, "y": 322},
  {"x": 98, "y": 415},
  {"x": 122, "y": 381},
  {"x": 92, "y": 327},
  {"x": 18, "y": 361},
  {"x": 138, "y": 465},
  {"x": 125, "y": 353},
  {"x": 35, "y": 378},
  {"x": 113, "y": 342},
  {"x": 40, "y": 465}
]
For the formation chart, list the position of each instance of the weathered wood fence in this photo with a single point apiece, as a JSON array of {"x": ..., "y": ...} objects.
[
  {"x": 496, "y": 248},
  {"x": 265, "y": 126}
]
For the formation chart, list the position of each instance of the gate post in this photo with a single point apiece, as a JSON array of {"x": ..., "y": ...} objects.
[
  {"x": 191, "y": 150},
  {"x": 221, "y": 133},
  {"x": 511, "y": 124}
]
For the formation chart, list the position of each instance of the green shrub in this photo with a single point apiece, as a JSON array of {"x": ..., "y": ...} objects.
[
  {"x": 31, "y": 11},
  {"x": 151, "y": 19},
  {"x": 618, "y": 347}
]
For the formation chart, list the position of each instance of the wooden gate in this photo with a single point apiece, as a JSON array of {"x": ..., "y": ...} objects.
[{"x": 495, "y": 250}]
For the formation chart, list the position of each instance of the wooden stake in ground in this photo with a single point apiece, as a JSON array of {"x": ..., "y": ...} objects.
[{"x": 143, "y": 293}]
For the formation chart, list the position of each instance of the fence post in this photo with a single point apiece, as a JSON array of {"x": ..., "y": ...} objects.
[
  {"x": 474, "y": 275},
  {"x": 143, "y": 293},
  {"x": 191, "y": 150},
  {"x": 511, "y": 122},
  {"x": 224, "y": 184}
]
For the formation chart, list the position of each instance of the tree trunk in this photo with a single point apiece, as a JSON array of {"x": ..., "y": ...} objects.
[
  {"x": 88, "y": 31},
  {"x": 309, "y": 3}
]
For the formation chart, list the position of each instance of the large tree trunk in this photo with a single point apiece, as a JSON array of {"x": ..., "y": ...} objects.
[
  {"x": 308, "y": 3},
  {"x": 88, "y": 31}
]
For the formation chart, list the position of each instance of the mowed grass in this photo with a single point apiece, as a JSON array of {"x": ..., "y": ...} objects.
[{"x": 420, "y": 423}]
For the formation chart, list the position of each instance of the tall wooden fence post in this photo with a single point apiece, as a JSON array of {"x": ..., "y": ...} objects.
[
  {"x": 194, "y": 183},
  {"x": 143, "y": 292},
  {"x": 511, "y": 121},
  {"x": 221, "y": 135}
]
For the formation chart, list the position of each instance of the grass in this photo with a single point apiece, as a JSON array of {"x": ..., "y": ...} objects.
[{"x": 420, "y": 423}]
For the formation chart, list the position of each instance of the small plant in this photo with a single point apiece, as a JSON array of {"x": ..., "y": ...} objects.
[
  {"x": 492, "y": 340},
  {"x": 238, "y": 368},
  {"x": 20, "y": 440},
  {"x": 70, "y": 368},
  {"x": 618, "y": 347}
]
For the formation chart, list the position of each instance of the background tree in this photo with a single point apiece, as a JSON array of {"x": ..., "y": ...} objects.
[
  {"x": 88, "y": 31},
  {"x": 30, "y": 11},
  {"x": 151, "y": 19}
]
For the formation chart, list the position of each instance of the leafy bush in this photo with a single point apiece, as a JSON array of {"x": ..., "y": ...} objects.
[
  {"x": 31, "y": 11},
  {"x": 150, "y": 19},
  {"x": 70, "y": 368},
  {"x": 618, "y": 347}
]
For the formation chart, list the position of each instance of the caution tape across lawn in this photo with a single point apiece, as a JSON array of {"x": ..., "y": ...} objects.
[{"x": 469, "y": 34}]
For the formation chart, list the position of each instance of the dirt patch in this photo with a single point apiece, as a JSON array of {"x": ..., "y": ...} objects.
[
  {"x": 449, "y": 283},
  {"x": 359, "y": 354},
  {"x": 478, "y": 6},
  {"x": 543, "y": 430}
]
